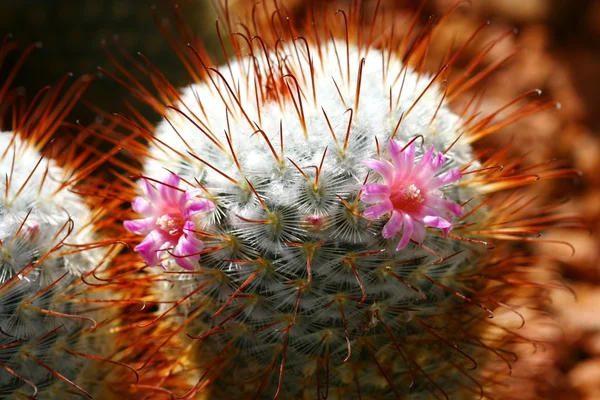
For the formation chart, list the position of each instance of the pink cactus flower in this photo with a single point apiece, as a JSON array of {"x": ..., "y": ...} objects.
[
  {"x": 168, "y": 226},
  {"x": 410, "y": 193}
]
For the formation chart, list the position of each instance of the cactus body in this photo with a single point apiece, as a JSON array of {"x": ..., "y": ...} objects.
[
  {"x": 338, "y": 243},
  {"x": 48, "y": 244},
  {"x": 292, "y": 276},
  {"x": 40, "y": 222}
]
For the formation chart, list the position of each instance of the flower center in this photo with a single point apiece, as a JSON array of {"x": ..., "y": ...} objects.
[
  {"x": 407, "y": 199},
  {"x": 171, "y": 223},
  {"x": 316, "y": 223}
]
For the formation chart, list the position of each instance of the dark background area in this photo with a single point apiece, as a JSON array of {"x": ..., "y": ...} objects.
[{"x": 72, "y": 32}]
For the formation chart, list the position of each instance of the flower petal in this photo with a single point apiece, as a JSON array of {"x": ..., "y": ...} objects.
[
  {"x": 142, "y": 206},
  {"x": 393, "y": 226},
  {"x": 196, "y": 206},
  {"x": 187, "y": 247},
  {"x": 185, "y": 263},
  {"x": 166, "y": 249},
  {"x": 172, "y": 180},
  {"x": 375, "y": 193},
  {"x": 149, "y": 190},
  {"x": 187, "y": 196},
  {"x": 140, "y": 226},
  {"x": 378, "y": 210},
  {"x": 448, "y": 178},
  {"x": 169, "y": 193},
  {"x": 427, "y": 167},
  {"x": 444, "y": 205},
  {"x": 454, "y": 208},
  {"x": 426, "y": 159},
  {"x": 407, "y": 233},
  {"x": 188, "y": 227},
  {"x": 409, "y": 162},
  {"x": 397, "y": 155},
  {"x": 437, "y": 222},
  {"x": 383, "y": 168},
  {"x": 150, "y": 247},
  {"x": 438, "y": 161},
  {"x": 419, "y": 233}
]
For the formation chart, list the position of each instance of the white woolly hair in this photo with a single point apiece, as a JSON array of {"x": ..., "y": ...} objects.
[
  {"x": 227, "y": 134},
  {"x": 39, "y": 220}
]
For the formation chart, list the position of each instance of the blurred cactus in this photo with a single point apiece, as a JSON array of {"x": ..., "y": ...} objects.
[{"x": 48, "y": 243}]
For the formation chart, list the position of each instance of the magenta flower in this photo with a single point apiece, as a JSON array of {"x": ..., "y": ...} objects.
[
  {"x": 410, "y": 194},
  {"x": 168, "y": 225}
]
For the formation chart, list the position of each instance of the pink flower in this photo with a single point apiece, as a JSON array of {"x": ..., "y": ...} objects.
[
  {"x": 410, "y": 193},
  {"x": 168, "y": 225}
]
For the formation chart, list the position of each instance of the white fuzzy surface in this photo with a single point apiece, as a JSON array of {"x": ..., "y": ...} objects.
[
  {"x": 46, "y": 207},
  {"x": 35, "y": 278},
  {"x": 291, "y": 201},
  {"x": 372, "y": 121}
]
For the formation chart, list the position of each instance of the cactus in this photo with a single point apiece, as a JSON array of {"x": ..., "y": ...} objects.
[
  {"x": 324, "y": 223},
  {"x": 48, "y": 244}
]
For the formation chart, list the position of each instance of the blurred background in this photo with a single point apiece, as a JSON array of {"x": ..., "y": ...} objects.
[
  {"x": 561, "y": 55},
  {"x": 72, "y": 34}
]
